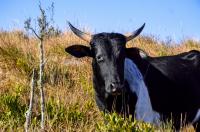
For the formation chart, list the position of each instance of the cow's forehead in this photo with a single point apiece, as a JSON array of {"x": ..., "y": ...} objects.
[
  {"x": 109, "y": 36},
  {"x": 108, "y": 41}
]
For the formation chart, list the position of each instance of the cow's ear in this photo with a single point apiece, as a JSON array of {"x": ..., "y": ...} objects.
[
  {"x": 136, "y": 53},
  {"x": 79, "y": 51}
]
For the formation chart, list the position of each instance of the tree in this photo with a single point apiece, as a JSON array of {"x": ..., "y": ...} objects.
[{"x": 45, "y": 29}]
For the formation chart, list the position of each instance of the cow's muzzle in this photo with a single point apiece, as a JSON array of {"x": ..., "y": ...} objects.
[{"x": 116, "y": 88}]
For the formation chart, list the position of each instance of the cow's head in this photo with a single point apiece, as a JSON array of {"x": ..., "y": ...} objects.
[{"x": 108, "y": 51}]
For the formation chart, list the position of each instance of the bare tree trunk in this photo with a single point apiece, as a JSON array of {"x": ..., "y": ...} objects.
[
  {"x": 29, "y": 111},
  {"x": 41, "y": 47},
  {"x": 41, "y": 34}
]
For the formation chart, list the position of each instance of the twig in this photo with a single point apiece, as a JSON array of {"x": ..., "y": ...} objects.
[
  {"x": 29, "y": 111},
  {"x": 35, "y": 33}
]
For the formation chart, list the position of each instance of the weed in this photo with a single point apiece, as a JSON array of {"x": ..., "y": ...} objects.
[
  {"x": 13, "y": 109},
  {"x": 116, "y": 123}
]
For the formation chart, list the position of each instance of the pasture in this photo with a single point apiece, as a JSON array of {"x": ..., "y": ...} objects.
[{"x": 69, "y": 95}]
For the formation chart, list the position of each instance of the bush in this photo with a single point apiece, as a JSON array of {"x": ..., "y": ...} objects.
[
  {"x": 12, "y": 108},
  {"x": 116, "y": 123}
]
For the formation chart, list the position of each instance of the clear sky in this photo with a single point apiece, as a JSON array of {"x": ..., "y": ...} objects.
[{"x": 176, "y": 19}]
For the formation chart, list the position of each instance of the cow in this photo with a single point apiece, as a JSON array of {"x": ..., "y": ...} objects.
[{"x": 129, "y": 82}]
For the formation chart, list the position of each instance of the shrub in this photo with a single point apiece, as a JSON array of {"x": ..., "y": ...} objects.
[
  {"x": 12, "y": 108},
  {"x": 116, "y": 123}
]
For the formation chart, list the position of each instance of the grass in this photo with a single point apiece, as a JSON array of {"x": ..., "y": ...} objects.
[{"x": 70, "y": 104}]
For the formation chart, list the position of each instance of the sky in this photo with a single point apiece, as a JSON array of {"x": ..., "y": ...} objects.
[{"x": 175, "y": 19}]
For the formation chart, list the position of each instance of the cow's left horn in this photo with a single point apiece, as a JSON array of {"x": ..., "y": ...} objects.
[
  {"x": 80, "y": 34},
  {"x": 135, "y": 33}
]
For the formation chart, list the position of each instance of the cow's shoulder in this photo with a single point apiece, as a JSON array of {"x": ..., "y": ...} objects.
[{"x": 136, "y": 54}]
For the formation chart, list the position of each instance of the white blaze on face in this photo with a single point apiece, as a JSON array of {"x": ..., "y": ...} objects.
[{"x": 136, "y": 83}]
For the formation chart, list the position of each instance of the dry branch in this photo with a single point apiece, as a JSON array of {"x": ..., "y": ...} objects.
[{"x": 29, "y": 111}]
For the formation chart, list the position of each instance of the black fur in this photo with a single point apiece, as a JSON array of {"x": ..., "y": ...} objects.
[{"x": 173, "y": 83}]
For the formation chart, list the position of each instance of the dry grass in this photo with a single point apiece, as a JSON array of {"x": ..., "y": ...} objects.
[{"x": 68, "y": 82}]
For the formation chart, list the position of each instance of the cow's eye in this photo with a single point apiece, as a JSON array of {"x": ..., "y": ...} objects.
[{"x": 99, "y": 58}]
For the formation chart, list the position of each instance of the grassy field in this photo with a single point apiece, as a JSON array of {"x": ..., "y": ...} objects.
[{"x": 70, "y": 104}]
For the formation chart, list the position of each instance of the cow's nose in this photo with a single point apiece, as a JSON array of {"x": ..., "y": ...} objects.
[{"x": 115, "y": 87}]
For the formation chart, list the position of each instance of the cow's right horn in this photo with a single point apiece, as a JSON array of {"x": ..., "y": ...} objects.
[
  {"x": 80, "y": 34},
  {"x": 135, "y": 33}
]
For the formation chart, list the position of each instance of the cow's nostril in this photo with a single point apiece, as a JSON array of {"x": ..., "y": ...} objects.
[
  {"x": 112, "y": 85},
  {"x": 114, "y": 89}
]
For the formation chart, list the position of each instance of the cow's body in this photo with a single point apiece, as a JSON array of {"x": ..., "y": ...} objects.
[
  {"x": 168, "y": 85},
  {"x": 173, "y": 84},
  {"x": 175, "y": 80}
]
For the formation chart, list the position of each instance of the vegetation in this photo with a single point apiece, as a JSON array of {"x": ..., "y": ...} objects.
[{"x": 69, "y": 94}]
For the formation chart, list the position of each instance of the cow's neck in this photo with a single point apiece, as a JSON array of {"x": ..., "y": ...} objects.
[
  {"x": 142, "y": 64},
  {"x": 136, "y": 83}
]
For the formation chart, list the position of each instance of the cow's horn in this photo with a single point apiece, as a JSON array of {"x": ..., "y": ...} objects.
[
  {"x": 135, "y": 33},
  {"x": 80, "y": 34}
]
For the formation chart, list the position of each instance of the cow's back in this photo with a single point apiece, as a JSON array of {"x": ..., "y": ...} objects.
[{"x": 173, "y": 81}]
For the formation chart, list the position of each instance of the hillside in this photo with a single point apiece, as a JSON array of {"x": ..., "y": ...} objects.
[{"x": 69, "y": 93}]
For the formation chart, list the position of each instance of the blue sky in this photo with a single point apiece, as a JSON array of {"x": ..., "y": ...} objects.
[{"x": 177, "y": 19}]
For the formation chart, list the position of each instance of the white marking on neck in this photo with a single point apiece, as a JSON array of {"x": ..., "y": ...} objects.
[
  {"x": 197, "y": 117},
  {"x": 136, "y": 83}
]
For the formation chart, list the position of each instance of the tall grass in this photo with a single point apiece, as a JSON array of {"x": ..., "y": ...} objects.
[{"x": 69, "y": 92}]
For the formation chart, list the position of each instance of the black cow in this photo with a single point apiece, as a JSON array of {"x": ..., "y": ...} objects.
[{"x": 173, "y": 82}]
